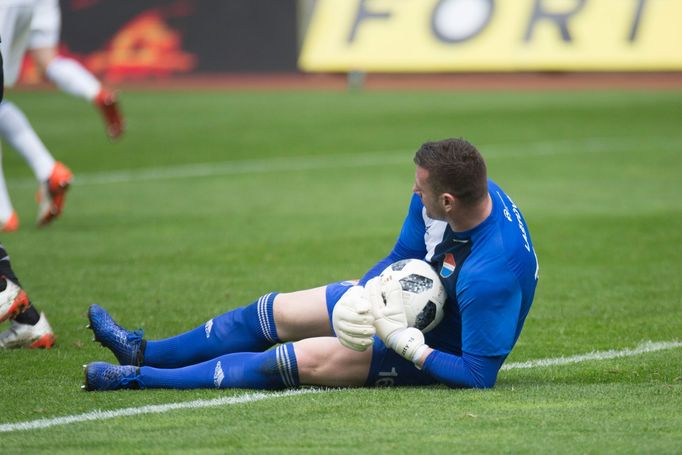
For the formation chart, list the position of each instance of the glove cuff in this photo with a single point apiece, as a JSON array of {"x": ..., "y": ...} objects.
[
  {"x": 418, "y": 355},
  {"x": 408, "y": 342}
]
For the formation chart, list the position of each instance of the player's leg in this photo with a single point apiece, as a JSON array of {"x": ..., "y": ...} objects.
[
  {"x": 72, "y": 78},
  {"x": 326, "y": 362},
  {"x": 306, "y": 314},
  {"x": 315, "y": 361},
  {"x": 271, "y": 319},
  {"x": 245, "y": 329},
  {"x": 54, "y": 177},
  {"x": 29, "y": 328},
  {"x": 13, "y": 299},
  {"x": 9, "y": 221},
  {"x": 15, "y": 21},
  {"x": 66, "y": 73},
  {"x": 16, "y": 130}
]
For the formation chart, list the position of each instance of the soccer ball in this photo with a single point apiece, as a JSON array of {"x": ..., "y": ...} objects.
[{"x": 423, "y": 293}]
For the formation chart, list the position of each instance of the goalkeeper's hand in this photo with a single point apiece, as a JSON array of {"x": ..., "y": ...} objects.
[
  {"x": 385, "y": 297},
  {"x": 353, "y": 321}
]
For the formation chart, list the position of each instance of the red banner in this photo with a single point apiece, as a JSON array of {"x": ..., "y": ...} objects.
[{"x": 121, "y": 40}]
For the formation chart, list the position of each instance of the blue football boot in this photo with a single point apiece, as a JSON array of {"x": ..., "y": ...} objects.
[
  {"x": 105, "y": 376},
  {"x": 127, "y": 346}
]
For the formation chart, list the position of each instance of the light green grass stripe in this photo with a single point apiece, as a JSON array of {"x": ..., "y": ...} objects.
[
  {"x": 642, "y": 348},
  {"x": 368, "y": 159}
]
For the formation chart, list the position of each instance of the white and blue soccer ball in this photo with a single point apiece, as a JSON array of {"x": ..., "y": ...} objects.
[{"x": 424, "y": 295}]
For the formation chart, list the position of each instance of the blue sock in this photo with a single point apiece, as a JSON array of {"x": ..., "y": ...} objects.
[
  {"x": 246, "y": 329},
  {"x": 273, "y": 369}
]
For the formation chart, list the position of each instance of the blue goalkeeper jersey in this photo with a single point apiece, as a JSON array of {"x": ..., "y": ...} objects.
[{"x": 489, "y": 272}]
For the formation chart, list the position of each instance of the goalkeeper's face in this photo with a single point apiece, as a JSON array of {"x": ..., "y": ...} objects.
[{"x": 429, "y": 197}]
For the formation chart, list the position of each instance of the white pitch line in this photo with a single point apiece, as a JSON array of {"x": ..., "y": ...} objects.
[
  {"x": 278, "y": 164},
  {"x": 642, "y": 348},
  {"x": 319, "y": 162},
  {"x": 150, "y": 409}
]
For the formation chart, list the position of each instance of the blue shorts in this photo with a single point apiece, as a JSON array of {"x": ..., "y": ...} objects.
[{"x": 387, "y": 367}]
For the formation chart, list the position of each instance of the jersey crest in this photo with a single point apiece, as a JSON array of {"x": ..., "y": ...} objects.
[{"x": 449, "y": 265}]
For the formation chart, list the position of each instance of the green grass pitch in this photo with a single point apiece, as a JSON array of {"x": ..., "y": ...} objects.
[{"x": 214, "y": 198}]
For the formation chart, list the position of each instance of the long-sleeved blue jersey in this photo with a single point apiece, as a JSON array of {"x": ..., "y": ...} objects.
[{"x": 490, "y": 274}]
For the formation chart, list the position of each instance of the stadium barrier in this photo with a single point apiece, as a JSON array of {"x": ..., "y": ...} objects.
[
  {"x": 493, "y": 35},
  {"x": 128, "y": 40}
]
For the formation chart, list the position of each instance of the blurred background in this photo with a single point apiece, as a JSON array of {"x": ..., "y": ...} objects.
[{"x": 124, "y": 41}]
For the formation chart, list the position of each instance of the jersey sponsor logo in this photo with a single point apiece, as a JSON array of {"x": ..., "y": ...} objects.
[{"x": 449, "y": 265}]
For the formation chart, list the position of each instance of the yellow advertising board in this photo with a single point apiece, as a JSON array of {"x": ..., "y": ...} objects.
[{"x": 493, "y": 35}]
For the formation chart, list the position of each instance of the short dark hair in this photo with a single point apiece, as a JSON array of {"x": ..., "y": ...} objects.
[{"x": 455, "y": 166}]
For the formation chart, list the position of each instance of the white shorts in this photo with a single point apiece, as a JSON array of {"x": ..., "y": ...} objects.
[
  {"x": 15, "y": 22},
  {"x": 46, "y": 25}
]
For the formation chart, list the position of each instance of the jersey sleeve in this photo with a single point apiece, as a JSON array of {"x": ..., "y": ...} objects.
[
  {"x": 489, "y": 307},
  {"x": 465, "y": 371},
  {"x": 410, "y": 243}
]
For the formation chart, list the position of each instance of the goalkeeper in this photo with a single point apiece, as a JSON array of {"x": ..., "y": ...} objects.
[{"x": 348, "y": 334}]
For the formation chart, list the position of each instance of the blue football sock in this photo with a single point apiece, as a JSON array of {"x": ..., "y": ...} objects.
[
  {"x": 273, "y": 369},
  {"x": 246, "y": 329}
]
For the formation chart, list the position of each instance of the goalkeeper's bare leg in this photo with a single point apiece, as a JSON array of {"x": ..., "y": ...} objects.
[
  {"x": 325, "y": 361},
  {"x": 271, "y": 319}
]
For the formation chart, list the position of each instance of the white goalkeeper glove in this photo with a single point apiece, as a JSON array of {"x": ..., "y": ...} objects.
[
  {"x": 385, "y": 297},
  {"x": 353, "y": 321}
]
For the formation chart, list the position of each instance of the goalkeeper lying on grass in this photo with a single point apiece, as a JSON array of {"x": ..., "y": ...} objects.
[{"x": 458, "y": 220}]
